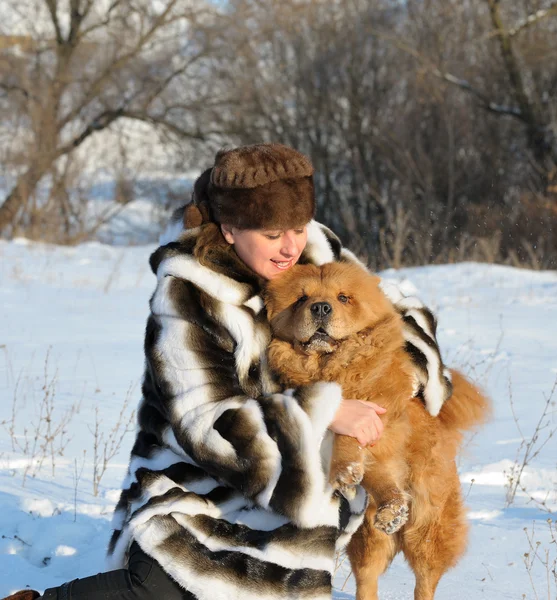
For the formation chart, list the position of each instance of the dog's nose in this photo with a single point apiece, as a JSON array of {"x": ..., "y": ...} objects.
[{"x": 321, "y": 309}]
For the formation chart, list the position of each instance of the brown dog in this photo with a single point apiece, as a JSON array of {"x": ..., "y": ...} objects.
[{"x": 333, "y": 323}]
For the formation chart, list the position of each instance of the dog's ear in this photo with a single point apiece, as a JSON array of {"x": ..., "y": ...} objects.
[
  {"x": 375, "y": 294},
  {"x": 274, "y": 290},
  {"x": 269, "y": 301},
  {"x": 375, "y": 281}
]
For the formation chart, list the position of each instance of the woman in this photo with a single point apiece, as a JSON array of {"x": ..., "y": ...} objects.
[{"x": 226, "y": 496}]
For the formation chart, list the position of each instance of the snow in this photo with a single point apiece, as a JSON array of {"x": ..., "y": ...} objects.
[{"x": 71, "y": 339}]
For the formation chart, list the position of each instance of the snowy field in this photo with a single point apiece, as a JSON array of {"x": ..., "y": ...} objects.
[{"x": 71, "y": 339}]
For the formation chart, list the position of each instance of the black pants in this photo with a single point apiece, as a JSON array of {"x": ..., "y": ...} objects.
[{"x": 144, "y": 579}]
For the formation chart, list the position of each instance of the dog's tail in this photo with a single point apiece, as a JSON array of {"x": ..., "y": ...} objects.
[{"x": 466, "y": 408}]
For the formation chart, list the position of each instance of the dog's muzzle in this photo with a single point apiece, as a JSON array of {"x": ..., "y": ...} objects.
[{"x": 321, "y": 311}]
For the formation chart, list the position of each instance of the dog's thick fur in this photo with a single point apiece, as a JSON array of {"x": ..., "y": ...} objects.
[{"x": 333, "y": 323}]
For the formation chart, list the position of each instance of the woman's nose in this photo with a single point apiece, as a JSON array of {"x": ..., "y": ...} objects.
[{"x": 290, "y": 244}]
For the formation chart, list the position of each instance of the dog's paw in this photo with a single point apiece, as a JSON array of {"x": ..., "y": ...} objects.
[
  {"x": 346, "y": 477},
  {"x": 391, "y": 516}
]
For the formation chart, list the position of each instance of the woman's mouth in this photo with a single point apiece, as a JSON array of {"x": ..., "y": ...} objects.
[{"x": 282, "y": 265}]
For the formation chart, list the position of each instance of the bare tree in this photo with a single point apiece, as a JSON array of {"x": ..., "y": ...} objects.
[
  {"x": 408, "y": 168},
  {"x": 82, "y": 65},
  {"x": 523, "y": 88},
  {"x": 432, "y": 124}
]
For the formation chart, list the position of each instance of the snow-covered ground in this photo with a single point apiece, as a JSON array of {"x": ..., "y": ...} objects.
[{"x": 71, "y": 338}]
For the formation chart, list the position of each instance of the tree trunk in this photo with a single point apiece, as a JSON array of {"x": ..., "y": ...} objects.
[
  {"x": 17, "y": 198},
  {"x": 540, "y": 137}
]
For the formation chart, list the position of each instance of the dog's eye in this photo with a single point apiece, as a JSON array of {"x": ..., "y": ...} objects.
[
  {"x": 342, "y": 298},
  {"x": 301, "y": 300}
]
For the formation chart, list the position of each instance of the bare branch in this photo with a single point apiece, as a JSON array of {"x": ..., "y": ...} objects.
[
  {"x": 533, "y": 19},
  {"x": 77, "y": 14},
  {"x": 172, "y": 127},
  {"x": 53, "y": 10},
  {"x": 99, "y": 123},
  {"x": 121, "y": 61},
  {"x": 484, "y": 100},
  {"x": 100, "y": 24},
  {"x": 104, "y": 217},
  {"x": 513, "y": 70},
  {"x": 8, "y": 87}
]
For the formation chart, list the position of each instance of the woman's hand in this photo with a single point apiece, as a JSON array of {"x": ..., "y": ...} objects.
[{"x": 359, "y": 420}]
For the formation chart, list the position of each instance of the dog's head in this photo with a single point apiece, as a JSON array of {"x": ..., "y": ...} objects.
[{"x": 316, "y": 308}]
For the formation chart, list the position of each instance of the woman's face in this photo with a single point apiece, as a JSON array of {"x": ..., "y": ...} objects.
[{"x": 267, "y": 252}]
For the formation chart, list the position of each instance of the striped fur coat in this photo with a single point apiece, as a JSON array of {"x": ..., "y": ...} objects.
[{"x": 227, "y": 482}]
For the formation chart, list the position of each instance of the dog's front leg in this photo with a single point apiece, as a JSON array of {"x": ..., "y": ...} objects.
[
  {"x": 383, "y": 480},
  {"x": 347, "y": 465}
]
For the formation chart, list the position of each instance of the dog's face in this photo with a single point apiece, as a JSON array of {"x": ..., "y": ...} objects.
[{"x": 316, "y": 308}]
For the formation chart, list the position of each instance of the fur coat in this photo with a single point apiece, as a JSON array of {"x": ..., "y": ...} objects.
[{"x": 227, "y": 481}]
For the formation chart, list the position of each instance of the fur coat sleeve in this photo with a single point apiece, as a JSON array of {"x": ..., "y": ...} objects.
[{"x": 227, "y": 483}]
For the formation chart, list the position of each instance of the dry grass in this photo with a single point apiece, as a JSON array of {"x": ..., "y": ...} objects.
[
  {"x": 529, "y": 449},
  {"x": 542, "y": 556},
  {"x": 44, "y": 438},
  {"x": 107, "y": 445}
]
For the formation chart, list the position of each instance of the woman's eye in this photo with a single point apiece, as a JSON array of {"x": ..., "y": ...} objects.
[
  {"x": 273, "y": 237},
  {"x": 342, "y": 298}
]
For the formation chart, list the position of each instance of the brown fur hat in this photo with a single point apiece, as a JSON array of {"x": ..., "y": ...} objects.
[{"x": 263, "y": 186}]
